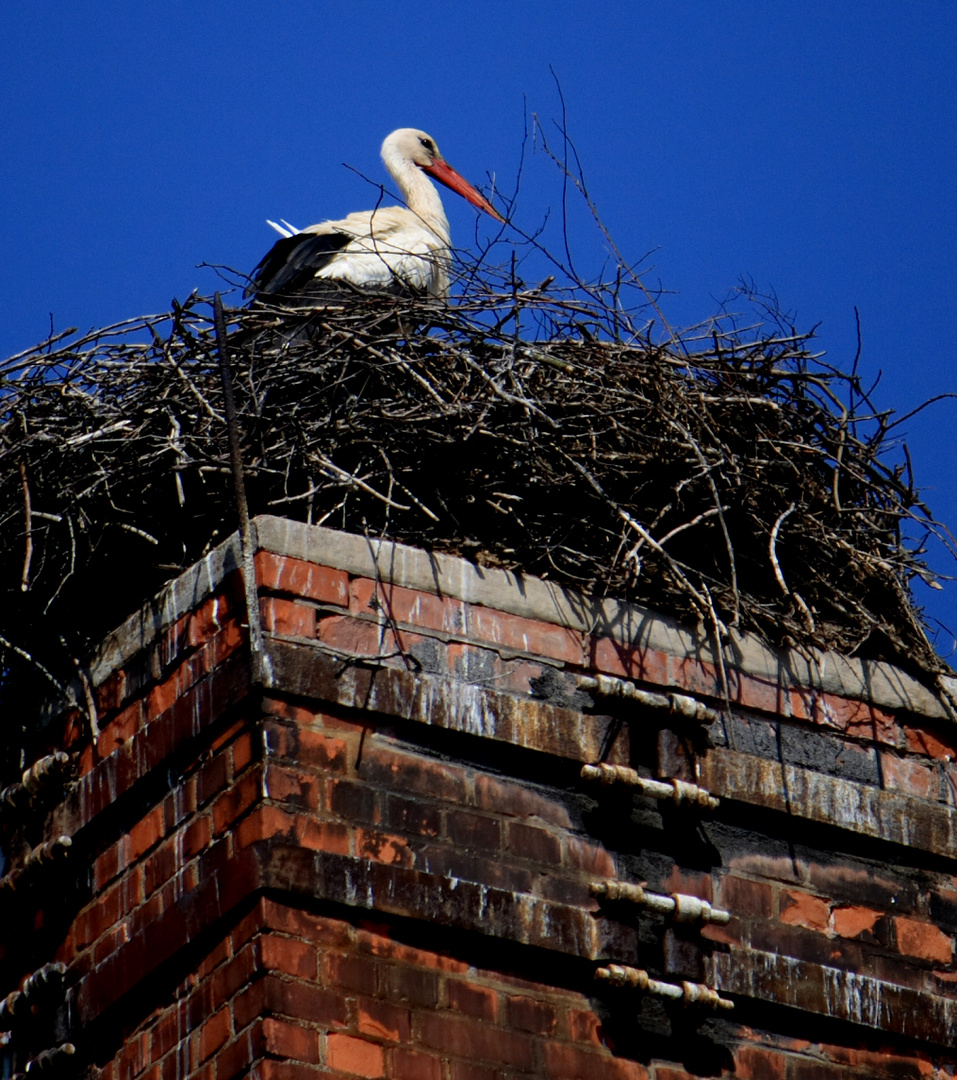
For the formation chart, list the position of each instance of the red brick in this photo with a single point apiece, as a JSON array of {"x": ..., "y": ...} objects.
[
  {"x": 213, "y": 1034},
  {"x": 469, "y": 1070},
  {"x": 410, "y": 815},
  {"x": 757, "y": 1063},
  {"x": 161, "y": 698},
  {"x": 584, "y": 1027},
  {"x": 912, "y": 777},
  {"x": 404, "y": 772},
  {"x": 227, "y": 641},
  {"x": 569, "y": 1062},
  {"x": 526, "y": 842},
  {"x": 613, "y": 658},
  {"x": 695, "y": 676},
  {"x": 477, "y": 1001},
  {"x": 289, "y": 956},
  {"x": 286, "y": 574},
  {"x": 473, "y": 832},
  {"x": 242, "y": 752},
  {"x": 924, "y": 941},
  {"x": 288, "y": 618},
  {"x": 731, "y": 933},
  {"x": 315, "y": 928},
  {"x": 197, "y": 836},
  {"x": 852, "y": 922},
  {"x": 803, "y": 909},
  {"x": 107, "y": 909},
  {"x": 421, "y": 609},
  {"x": 930, "y": 742},
  {"x": 380, "y": 1020},
  {"x": 526, "y": 1014},
  {"x": 511, "y": 799},
  {"x": 282, "y": 1070},
  {"x": 526, "y": 635},
  {"x": 206, "y": 621},
  {"x": 160, "y": 867},
  {"x": 587, "y": 857},
  {"x": 148, "y": 831},
  {"x": 381, "y": 847},
  {"x": 355, "y": 801},
  {"x": 690, "y": 882},
  {"x": 409, "y": 1065},
  {"x": 350, "y": 972},
  {"x": 356, "y": 636},
  {"x": 304, "y": 1001},
  {"x": 120, "y": 729},
  {"x": 236, "y": 1057},
  {"x": 250, "y": 1004},
  {"x": 324, "y": 751},
  {"x": 751, "y": 693},
  {"x": 290, "y": 1041},
  {"x": 413, "y": 985},
  {"x": 355, "y": 1056},
  {"x": 857, "y": 718},
  {"x": 132, "y": 1058},
  {"x": 110, "y": 943},
  {"x": 108, "y": 865},
  {"x": 262, "y": 824},
  {"x": 236, "y": 800},
  {"x": 211, "y": 778},
  {"x": 475, "y": 1041},
  {"x": 110, "y": 693},
  {"x": 323, "y": 835},
  {"x": 745, "y": 898},
  {"x": 179, "y": 805},
  {"x": 168, "y": 1031},
  {"x": 291, "y": 786},
  {"x": 230, "y": 977}
]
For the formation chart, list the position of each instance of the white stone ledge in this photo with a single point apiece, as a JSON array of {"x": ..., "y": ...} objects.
[{"x": 446, "y": 575}]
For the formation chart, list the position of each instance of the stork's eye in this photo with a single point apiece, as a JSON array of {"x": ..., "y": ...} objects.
[{"x": 428, "y": 144}]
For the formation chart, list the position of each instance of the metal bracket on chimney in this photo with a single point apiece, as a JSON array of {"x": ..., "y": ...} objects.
[
  {"x": 18, "y": 1004},
  {"x": 609, "y": 686},
  {"x": 37, "y": 861},
  {"x": 681, "y": 906},
  {"x": 678, "y": 790},
  {"x": 45, "y": 776},
  {"x": 52, "y": 1062},
  {"x": 687, "y": 992}
]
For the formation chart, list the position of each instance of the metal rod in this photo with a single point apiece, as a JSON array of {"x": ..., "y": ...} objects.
[
  {"x": 19, "y": 1002},
  {"x": 610, "y": 686},
  {"x": 679, "y": 791},
  {"x": 688, "y": 992},
  {"x": 681, "y": 906},
  {"x": 246, "y": 541}
]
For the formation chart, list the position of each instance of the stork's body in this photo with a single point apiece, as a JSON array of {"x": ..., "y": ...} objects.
[{"x": 391, "y": 247}]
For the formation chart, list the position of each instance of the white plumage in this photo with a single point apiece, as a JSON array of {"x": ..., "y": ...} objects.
[{"x": 391, "y": 247}]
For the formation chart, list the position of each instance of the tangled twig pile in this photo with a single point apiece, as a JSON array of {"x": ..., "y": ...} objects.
[{"x": 729, "y": 476}]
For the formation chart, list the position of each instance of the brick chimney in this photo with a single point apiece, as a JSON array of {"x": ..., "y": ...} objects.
[{"x": 468, "y": 826}]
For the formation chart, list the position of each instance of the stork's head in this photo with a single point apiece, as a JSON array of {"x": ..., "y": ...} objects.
[{"x": 406, "y": 147}]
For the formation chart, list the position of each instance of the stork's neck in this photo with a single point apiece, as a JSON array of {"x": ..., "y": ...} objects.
[{"x": 420, "y": 194}]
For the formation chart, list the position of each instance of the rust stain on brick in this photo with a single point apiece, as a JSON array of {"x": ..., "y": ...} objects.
[
  {"x": 804, "y": 793},
  {"x": 845, "y": 995},
  {"x": 442, "y": 703}
]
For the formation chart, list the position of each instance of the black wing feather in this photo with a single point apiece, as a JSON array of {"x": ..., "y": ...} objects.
[{"x": 292, "y": 261}]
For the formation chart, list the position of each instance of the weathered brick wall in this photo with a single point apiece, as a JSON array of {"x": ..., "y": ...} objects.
[{"x": 384, "y": 861}]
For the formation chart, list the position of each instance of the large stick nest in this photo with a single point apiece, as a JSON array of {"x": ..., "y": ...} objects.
[{"x": 726, "y": 476}]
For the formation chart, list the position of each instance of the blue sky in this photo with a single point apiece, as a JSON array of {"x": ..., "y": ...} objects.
[{"x": 810, "y": 146}]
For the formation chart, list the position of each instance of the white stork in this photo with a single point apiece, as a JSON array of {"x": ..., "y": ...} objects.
[{"x": 391, "y": 247}]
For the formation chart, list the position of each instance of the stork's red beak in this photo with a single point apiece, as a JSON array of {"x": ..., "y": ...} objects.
[{"x": 445, "y": 174}]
